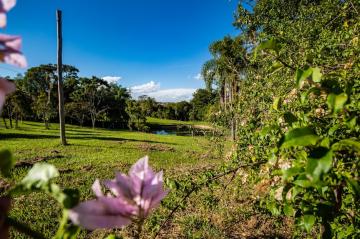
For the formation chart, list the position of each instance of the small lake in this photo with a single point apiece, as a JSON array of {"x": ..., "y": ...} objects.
[
  {"x": 172, "y": 132},
  {"x": 179, "y": 130}
]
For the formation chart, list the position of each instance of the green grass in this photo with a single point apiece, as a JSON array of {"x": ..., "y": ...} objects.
[
  {"x": 228, "y": 209},
  {"x": 92, "y": 154},
  {"x": 158, "y": 121}
]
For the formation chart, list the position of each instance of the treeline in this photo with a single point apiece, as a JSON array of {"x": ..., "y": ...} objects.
[
  {"x": 200, "y": 108},
  {"x": 92, "y": 102}
]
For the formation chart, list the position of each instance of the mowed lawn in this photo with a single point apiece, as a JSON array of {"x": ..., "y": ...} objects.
[{"x": 92, "y": 154}]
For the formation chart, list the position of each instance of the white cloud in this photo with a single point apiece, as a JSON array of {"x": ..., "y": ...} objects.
[
  {"x": 173, "y": 95},
  {"x": 153, "y": 90},
  {"x": 198, "y": 77},
  {"x": 112, "y": 79},
  {"x": 145, "y": 88}
]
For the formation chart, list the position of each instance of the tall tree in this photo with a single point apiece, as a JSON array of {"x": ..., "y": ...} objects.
[
  {"x": 93, "y": 91},
  {"x": 225, "y": 70}
]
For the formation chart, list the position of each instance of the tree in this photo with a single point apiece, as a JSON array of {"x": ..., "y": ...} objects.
[
  {"x": 41, "y": 80},
  {"x": 148, "y": 105},
  {"x": 137, "y": 117},
  {"x": 225, "y": 70},
  {"x": 93, "y": 92},
  {"x": 182, "y": 110},
  {"x": 77, "y": 111},
  {"x": 43, "y": 109},
  {"x": 202, "y": 99}
]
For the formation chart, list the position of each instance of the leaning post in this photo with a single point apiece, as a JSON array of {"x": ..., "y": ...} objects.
[{"x": 60, "y": 80}]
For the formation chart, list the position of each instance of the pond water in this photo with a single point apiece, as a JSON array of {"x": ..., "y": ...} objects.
[
  {"x": 179, "y": 131},
  {"x": 172, "y": 132}
]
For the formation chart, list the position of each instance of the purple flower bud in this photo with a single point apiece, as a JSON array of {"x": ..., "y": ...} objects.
[
  {"x": 5, "y": 6},
  {"x": 10, "y": 53}
]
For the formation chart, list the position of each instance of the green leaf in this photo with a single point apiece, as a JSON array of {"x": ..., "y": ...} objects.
[
  {"x": 264, "y": 131},
  {"x": 275, "y": 67},
  {"x": 308, "y": 222},
  {"x": 303, "y": 183},
  {"x": 39, "y": 176},
  {"x": 112, "y": 237},
  {"x": 300, "y": 137},
  {"x": 316, "y": 74},
  {"x": 305, "y": 95},
  {"x": 277, "y": 103},
  {"x": 270, "y": 44},
  {"x": 291, "y": 172},
  {"x": 302, "y": 75},
  {"x": 346, "y": 144},
  {"x": 273, "y": 208},
  {"x": 71, "y": 199},
  {"x": 319, "y": 162},
  {"x": 351, "y": 123},
  {"x": 337, "y": 102},
  {"x": 6, "y": 162},
  {"x": 354, "y": 185},
  {"x": 67, "y": 198},
  {"x": 289, "y": 210},
  {"x": 325, "y": 142}
]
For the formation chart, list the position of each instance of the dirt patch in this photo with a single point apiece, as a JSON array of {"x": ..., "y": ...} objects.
[
  {"x": 86, "y": 168},
  {"x": 4, "y": 186},
  {"x": 31, "y": 162},
  {"x": 155, "y": 147}
]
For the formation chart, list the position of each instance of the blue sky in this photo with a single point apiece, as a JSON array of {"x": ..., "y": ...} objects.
[{"x": 157, "y": 47}]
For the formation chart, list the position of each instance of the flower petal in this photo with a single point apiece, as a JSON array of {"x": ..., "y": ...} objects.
[
  {"x": 118, "y": 206},
  {"x": 141, "y": 169},
  {"x": 95, "y": 214},
  {"x": 15, "y": 59},
  {"x": 96, "y": 187},
  {"x": 6, "y": 5},
  {"x": 2, "y": 20},
  {"x": 121, "y": 186}
]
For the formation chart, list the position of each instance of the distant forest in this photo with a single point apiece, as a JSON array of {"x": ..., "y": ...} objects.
[{"x": 94, "y": 102}]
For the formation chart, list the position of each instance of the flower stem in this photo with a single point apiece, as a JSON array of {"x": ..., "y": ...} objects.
[
  {"x": 140, "y": 224},
  {"x": 23, "y": 228}
]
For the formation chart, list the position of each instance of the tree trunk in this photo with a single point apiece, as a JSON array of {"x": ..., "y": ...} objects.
[
  {"x": 5, "y": 124},
  {"x": 16, "y": 121},
  {"x": 10, "y": 120},
  {"x": 93, "y": 121},
  {"x": 233, "y": 129}
]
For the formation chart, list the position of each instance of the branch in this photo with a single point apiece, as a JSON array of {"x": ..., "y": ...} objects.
[
  {"x": 200, "y": 185},
  {"x": 281, "y": 61}
]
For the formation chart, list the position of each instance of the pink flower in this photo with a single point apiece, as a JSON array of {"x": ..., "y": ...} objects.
[
  {"x": 131, "y": 197},
  {"x": 10, "y": 50},
  {"x": 6, "y": 87},
  {"x": 5, "y": 6}
]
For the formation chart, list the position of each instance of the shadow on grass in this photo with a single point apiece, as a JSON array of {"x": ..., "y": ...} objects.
[
  {"x": 4, "y": 136},
  {"x": 118, "y": 139}
]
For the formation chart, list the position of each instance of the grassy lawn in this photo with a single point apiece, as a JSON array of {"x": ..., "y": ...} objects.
[
  {"x": 158, "y": 121},
  {"x": 92, "y": 154},
  {"x": 230, "y": 209}
]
